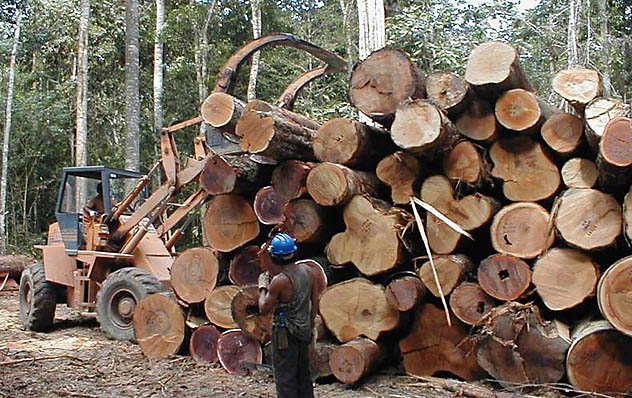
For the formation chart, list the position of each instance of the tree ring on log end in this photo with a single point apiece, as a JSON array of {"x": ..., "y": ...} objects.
[{"x": 521, "y": 230}]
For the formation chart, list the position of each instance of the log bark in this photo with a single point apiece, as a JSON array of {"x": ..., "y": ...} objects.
[
  {"x": 613, "y": 292},
  {"x": 527, "y": 172},
  {"x": 599, "y": 359},
  {"x": 351, "y": 143},
  {"x": 504, "y": 277},
  {"x": 404, "y": 291},
  {"x": 478, "y": 121},
  {"x": 244, "y": 267},
  {"x": 578, "y": 86},
  {"x": 450, "y": 269},
  {"x": 470, "y": 303},
  {"x": 588, "y": 219},
  {"x": 224, "y": 174},
  {"x": 203, "y": 344},
  {"x": 564, "y": 278},
  {"x": 331, "y": 184},
  {"x": 579, "y": 173},
  {"x": 517, "y": 346},
  {"x": 383, "y": 81},
  {"x": 306, "y": 221},
  {"x": 465, "y": 164},
  {"x": 522, "y": 111},
  {"x": 15, "y": 264},
  {"x": 598, "y": 113},
  {"x": 563, "y": 133},
  {"x": 422, "y": 129},
  {"x": 235, "y": 350},
  {"x": 245, "y": 310},
  {"x": 222, "y": 110},
  {"x": 194, "y": 274},
  {"x": 275, "y": 132},
  {"x": 432, "y": 346},
  {"x": 319, "y": 354},
  {"x": 522, "y": 230},
  {"x": 158, "y": 326},
  {"x": 493, "y": 68},
  {"x": 268, "y": 206},
  {"x": 355, "y": 359},
  {"x": 471, "y": 212},
  {"x": 402, "y": 172},
  {"x": 217, "y": 306},
  {"x": 627, "y": 215},
  {"x": 289, "y": 178},
  {"x": 229, "y": 223},
  {"x": 449, "y": 92},
  {"x": 356, "y": 308},
  {"x": 371, "y": 240},
  {"x": 615, "y": 154}
]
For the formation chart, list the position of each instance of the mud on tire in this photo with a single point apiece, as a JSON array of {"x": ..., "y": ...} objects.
[{"x": 38, "y": 299}]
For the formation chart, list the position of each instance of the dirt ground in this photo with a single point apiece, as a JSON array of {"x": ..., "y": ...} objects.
[{"x": 76, "y": 360}]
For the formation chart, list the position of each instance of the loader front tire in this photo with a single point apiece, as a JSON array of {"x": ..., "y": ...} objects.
[
  {"x": 118, "y": 297},
  {"x": 38, "y": 299}
]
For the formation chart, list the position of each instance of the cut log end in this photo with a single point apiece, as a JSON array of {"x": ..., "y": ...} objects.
[
  {"x": 244, "y": 267},
  {"x": 522, "y": 230},
  {"x": 450, "y": 271},
  {"x": 464, "y": 163},
  {"x": 194, "y": 274},
  {"x": 218, "y": 306},
  {"x": 613, "y": 293},
  {"x": 577, "y": 85},
  {"x": 470, "y": 303},
  {"x": 504, "y": 277},
  {"x": 245, "y": 309},
  {"x": 355, "y": 359},
  {"x": 203, "y": 344},
  {"x": 615, "y": 147},
  {"x": 219, "y": 109},
  {"x": 330, "y": 184},
  {"x": 229, "y": 223},
  {"x": 289, "y": 178},
  {"x": 403, "y": 293},
  {"x": 420, "y": 126},
  {"x": 235, "y": 350},
  {"x": 268, "y": 206},
  {"x": 305, "y": 221},
  {"x": 478, "y": 121},
  {"x": 519, "y": 110},
  {"x": 158, "y": 326},
  {"x": 447, "y": 91},
  {"x": 401, "y": 171},
  {"x": 493, "y": 67},
  {"x": 579, "y": 173},
  {"x": 563, "y": 133}
]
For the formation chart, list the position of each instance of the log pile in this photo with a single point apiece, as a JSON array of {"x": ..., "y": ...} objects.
[{"x": 524, "y": 209}]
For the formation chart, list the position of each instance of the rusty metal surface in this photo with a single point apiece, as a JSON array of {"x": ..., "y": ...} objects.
[
  {"x": 288, "y": 96},
  {"x": 58, "y": 266},
  {"x": 181, "y": 125},
  {"x": 152, "y": 255},
  {"x": 181, "y": 212}
]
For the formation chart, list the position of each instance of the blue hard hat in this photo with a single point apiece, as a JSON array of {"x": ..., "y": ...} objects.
[{"x": 282, "y": 244}]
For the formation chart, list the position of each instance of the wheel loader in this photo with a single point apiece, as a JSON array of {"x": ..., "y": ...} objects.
[{"x": 102, "y": 265}]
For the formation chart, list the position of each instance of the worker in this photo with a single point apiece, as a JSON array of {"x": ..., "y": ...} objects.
[
  {"x": 290, "y": 289},
  {"x": 92, "y": 209}
]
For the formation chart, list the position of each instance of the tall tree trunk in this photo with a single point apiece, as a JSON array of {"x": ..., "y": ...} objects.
[
  {"x": 605, "y": 45},
  {"x": 81, "y": 136},
  {"x": 256, "y": 32},
  {"x": 5, "y": 142},
  {"x": 158, "y": 66},
  {"x": 372, "y": 34},
  {"x": 572, "y": 33},
  {"x": 345, "y": 7},
  {"x": 201, "y": 58},
  {"x": 132, "y": 100}
]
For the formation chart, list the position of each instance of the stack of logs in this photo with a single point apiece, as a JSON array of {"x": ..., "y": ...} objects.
[{"x": 543, "y": 193}]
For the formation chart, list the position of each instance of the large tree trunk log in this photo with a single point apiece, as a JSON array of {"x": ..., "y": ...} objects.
[
  {"x": 522, "y": 230},
  {"x": 579, "y": 173},
  {"x": 233, "y": 174},
  {"x": 504, "y": 277},
  {"x": 194, "y": 274},
  {"x": 564, "y": 278},
  {"x": 275, "y": 132},
  {"x": 517, "y": 346},
  {"x": 450, "y": 270},
  {"x": 235, "y": 350},
  {"x": 371, "y": 241},
  {"x": 493, "y": 68},
  {"x": 229, "y": 223},
  {"x": 351, "y": 143},
  {"x": 245, "y": 309},
  {"x": 158, "y": 326},
  {"x": 563, "y": 133},
  {"x": 355, "y": 359},
  {"x": 597, "y": 115},
  {"x": 203, "y": 344},
  {"x": 471, "y": 212},
  {"x": 268, "y": 206},
  {"x": 613, "y": 293},
  {"x": 522, "y": 111},
  {"x": 289, "y": 178},
  {"x": 432, "y": 346},
  {"x": 222, "y": 110},
  {"x": 449, "y": 92},
  {"x": 306, "y": 221},
  {"x": 588, "y": 219},
  {"x": 319, "y": 354},
  {"x": 578, "y": 86},
  {"x": 383, "y": 81},
  {"x": 421, "y": 128},
  {"x": 527, "y": 171},
  {"x": 14, "y": 265},
  {"x": 599, "y": 359},
  {"x": 217, "y": 306},
  {"x": 331, "y": 184},
  {"x": 627, "y": 215},
  {"x": 404, "y": 291},
  {"x": 356, "y": 308},
  {"x": 244, "y": 267},
  {"x": 470, "y": 303},
  {"x": 478, "y": 121},
  {"x": 465, "y": 164},
  {"x": 615, "y": 154},
  {"x": 402, "y": 172}
]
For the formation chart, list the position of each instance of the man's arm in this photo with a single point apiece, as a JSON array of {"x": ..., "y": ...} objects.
[
  {"x": 268, "y": 298},
  {"x": 316, "y": 292}
]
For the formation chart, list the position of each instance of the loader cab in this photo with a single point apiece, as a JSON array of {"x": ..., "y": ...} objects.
[{"x": 70, "y": 201}]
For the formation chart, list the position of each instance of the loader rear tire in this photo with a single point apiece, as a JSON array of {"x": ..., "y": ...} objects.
[
  {"x": 118, "y": 297},
  {"x": 38, "y": 299}
]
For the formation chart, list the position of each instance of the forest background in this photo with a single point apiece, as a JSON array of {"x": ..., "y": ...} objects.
[{"x": 48, "y": 65}]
